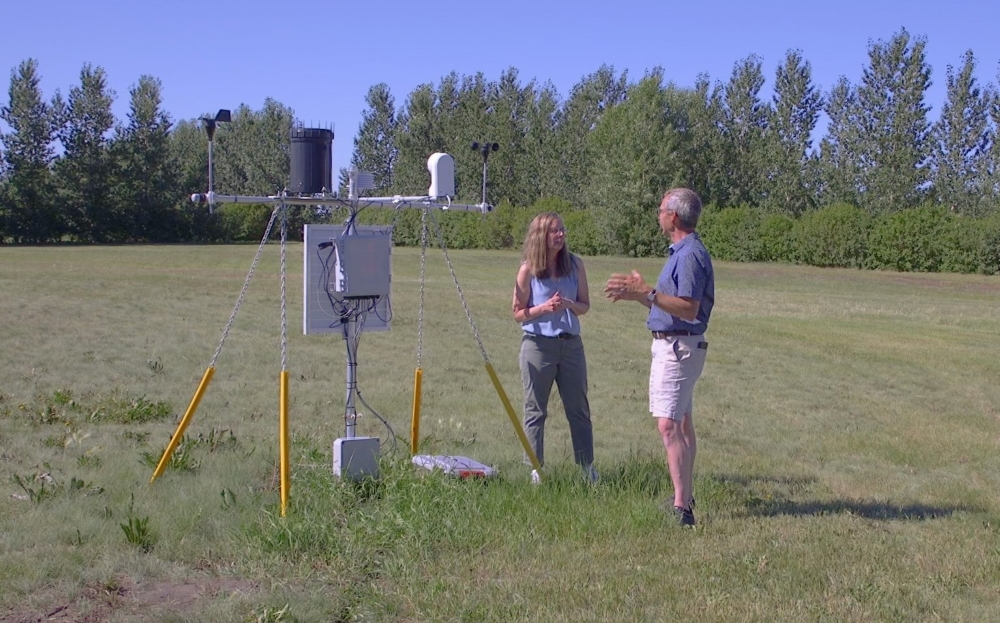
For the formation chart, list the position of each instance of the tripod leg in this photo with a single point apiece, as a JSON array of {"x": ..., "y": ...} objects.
[
  {"x": 165, "y": 460},
  {"x": 283, "y": 440},
  {"x": 415, "y": 420},
  {"x": 513, "y": 419}
]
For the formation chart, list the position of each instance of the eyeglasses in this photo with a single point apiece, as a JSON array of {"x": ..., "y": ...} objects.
[{"x": 557, "y": 230}]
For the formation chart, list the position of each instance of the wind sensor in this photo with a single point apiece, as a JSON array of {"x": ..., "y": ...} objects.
[{"x": 223, "y": 116}]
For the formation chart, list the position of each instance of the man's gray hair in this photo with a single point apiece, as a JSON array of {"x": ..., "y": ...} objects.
[{"x": 686, "y": 205}]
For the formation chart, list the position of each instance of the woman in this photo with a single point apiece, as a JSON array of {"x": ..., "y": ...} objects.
[{"x": 549, "y": 297}]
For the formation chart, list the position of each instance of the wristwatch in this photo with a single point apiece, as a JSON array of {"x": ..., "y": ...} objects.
[{"x": 651, "y": 296}]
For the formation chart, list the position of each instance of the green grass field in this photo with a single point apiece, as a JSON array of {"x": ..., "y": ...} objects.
[{"x": 848, "y": 467}]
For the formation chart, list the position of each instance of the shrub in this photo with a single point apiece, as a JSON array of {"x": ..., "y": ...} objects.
[
  {"x": 732, "y": 234},
  {"x": 407, "y": 229},
  {"x": 989, "y": 246},
  {"x": 972, "y": 245},
  {"x": 461, "y": 230},
  {"x": 243, "y": 222},
  {"x": 504, "y": 227},
  {"x": 582, "y": 233},
  {"x": 836, "y": 235},
  {"x": 550, "y": 204},
  {"x": 910, "y": 240},
  {"x": 962, "y": 242},
  {"x": 776, "y": 242}
]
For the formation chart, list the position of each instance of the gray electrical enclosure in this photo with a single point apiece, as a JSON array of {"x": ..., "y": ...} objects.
[
  {"x": 362, "y": 268},
  {"x": 322, "y": 302}
]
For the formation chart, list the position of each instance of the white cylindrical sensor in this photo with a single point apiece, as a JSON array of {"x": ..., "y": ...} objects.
[{"x": 442, "y": 169}]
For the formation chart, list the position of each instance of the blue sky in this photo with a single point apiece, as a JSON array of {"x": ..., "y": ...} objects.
[{"x": 320, "y": 58}]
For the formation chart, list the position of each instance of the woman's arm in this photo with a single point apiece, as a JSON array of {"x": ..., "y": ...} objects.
[
  {"x": 582, "y": 303},
  {"x": 522, "y": 294}
]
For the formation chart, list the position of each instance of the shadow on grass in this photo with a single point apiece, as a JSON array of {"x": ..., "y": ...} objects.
[
  {"x": 868, "y": 510},
  {"x": 769, "y": 496}
]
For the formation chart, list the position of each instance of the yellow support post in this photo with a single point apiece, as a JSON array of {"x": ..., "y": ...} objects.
[
  {"x": 418, "y": 376},
  {"x": 192, "y": 407},
  {"x": 283, "y": 439},
  {"x": 513, "y": 419}
]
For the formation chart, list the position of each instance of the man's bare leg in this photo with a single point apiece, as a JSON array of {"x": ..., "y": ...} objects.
[{"x": 678, "y": 461}]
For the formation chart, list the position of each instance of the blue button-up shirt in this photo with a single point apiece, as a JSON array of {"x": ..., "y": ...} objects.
[{"x": 688, "y": 273}]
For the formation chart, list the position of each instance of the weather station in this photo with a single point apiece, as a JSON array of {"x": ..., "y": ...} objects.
[{"x": 347, "y": 277}]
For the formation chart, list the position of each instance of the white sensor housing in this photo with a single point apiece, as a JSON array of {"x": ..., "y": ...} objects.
[{"x": 442, "y": 169}]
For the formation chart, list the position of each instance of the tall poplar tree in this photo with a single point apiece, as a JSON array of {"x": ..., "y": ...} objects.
[
  {"x": 894, "y": 129},
  {"x": 30, "y": 213},
  {"x": 793, "y": 116},
  {"x": 85, "y": 172},
  {"x": 148, "y": 192},
  {"x": 961, "y": 141}
]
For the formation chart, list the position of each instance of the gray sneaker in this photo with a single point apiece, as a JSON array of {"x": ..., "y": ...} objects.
[
  {"x": 591, "y": 474},
  {"x": 684, "y": 516}
]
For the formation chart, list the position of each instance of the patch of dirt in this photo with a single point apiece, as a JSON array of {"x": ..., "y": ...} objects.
[{"x": 147, "y": 601}]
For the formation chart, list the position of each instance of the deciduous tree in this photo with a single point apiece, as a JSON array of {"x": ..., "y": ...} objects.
[
  {"x": 636, "y": 158},
  {"x": 375, "y": 142}
]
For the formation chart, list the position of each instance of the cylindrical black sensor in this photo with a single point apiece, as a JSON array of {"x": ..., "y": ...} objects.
[{"x": 311, "y": 153}]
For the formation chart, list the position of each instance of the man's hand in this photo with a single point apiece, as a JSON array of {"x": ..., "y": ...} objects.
[{"x": 626, "y": 287}]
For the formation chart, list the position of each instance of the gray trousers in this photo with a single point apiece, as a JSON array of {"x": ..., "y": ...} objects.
[{"x": 545, "y": 360}]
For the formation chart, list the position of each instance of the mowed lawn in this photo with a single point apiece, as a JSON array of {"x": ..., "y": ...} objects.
[{"x": 848, "y": 466}]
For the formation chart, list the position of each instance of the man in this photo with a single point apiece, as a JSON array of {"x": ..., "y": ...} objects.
[{"x": 679, "y": 308}]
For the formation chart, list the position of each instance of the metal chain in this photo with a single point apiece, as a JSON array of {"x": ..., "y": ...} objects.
[
  {"x": 423, "y": 279},
  {"x": 284, "y": 304},
  {"x": 461, "y": 295},
  {"x": 246, "y": 285}
]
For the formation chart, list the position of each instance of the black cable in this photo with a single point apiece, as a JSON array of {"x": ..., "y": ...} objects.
[
  {"x": 351, "y": 364},
  {"x": 349, "y": 225},
  {"x": 357, "y": 385},
  {"x": 324, "y": 277},
  {"x": 392, "y": 433},
  {"x": 353, "y": 309},
  {"x": 387, "y": 318}
]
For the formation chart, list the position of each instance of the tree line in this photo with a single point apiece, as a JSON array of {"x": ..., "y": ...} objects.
[
  {"x": 607, "y": 150},
  {"x": 614, "y": 144},
  {"x": 115, "y": 182}
]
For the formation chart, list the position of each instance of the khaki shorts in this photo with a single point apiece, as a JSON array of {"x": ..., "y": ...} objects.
[{"x": 677, "y": 364}]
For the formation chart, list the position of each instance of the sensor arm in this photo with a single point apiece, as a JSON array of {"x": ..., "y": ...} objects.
[{"x": 212, "y": 198}]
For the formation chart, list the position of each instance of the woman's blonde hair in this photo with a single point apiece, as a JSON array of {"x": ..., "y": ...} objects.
[{"x": 535, "y": 252}]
